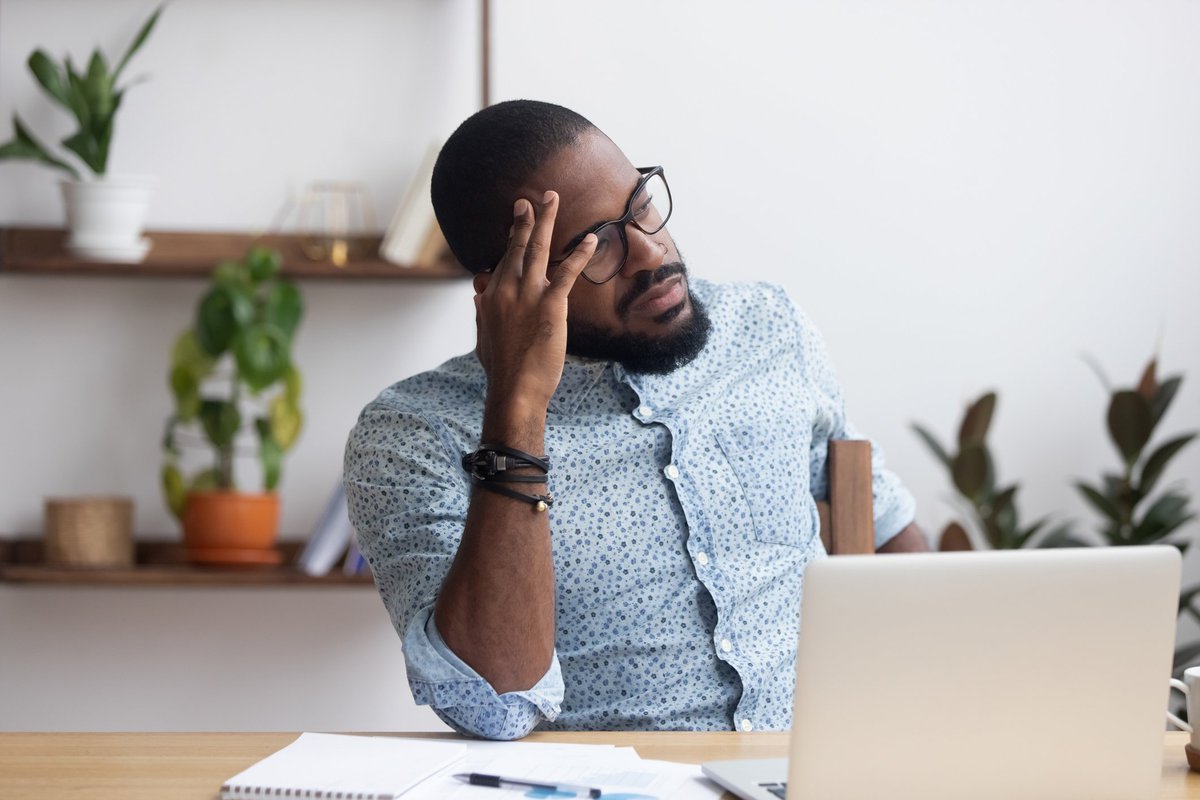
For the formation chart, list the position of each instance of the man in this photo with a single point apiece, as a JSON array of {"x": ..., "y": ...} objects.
[{"x": 648, "y": 576}]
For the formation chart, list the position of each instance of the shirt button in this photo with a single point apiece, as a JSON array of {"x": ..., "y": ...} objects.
[
  {"x": 672, "y": 471},
  {"x": 747, "y": 725},
  {"x": 644, "y": 412},
  {"x": 726, "y": 645},
  {"x": 702, "y": 559}
]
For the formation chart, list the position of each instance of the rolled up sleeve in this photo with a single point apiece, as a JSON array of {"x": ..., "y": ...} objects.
[
  {"x": 407, "y": 498},
  {"x": 894, "y": 505}
]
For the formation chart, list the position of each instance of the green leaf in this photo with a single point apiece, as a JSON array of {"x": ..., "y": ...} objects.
[
  {"x": 1164, "y": 396},
  {"x": 284, "y": 307},
  {"x": 84, "y": 144},
  {"x": 138, "y": 41},
  {"x": 222, "y": 313},
  {"x": 271, "y": 455},
  {"x": 1148, "y": 383},
  {"x": 79, "y": 101},
  {"x": 1100, "y": 502},
  {"x": 50, "y": 76},
  {"x": 99, "y": 86},
  {"x": 954, "y": 538},
  {"x": 234, "y": 275},
  {"x": 971, "y": 470},
  {"x": 205, "y": 481},
  {"x": 186, "y": 389},
  {"x": 977, "y": 420},
  {"x": 263, "y": 263},
  {"x": 1157, "y": 462},
  {"x": 24, "y": 147},
  {"x": 1094, "y": 365},
  {"x": 187, "y": 353},
  {"x": 293, "y": 385},
  {"x": 932, "y": 443},
  {"x": 174, "y": 490},
  {"x": 221, "y": 421},
  {"x": 1061, "y": 536},
  {"x": 262, "y": 355},
  {"x": 285, "y": 421},
  {"x": 1164, "y": 516},
  {"x": 1130, "y": 423}
]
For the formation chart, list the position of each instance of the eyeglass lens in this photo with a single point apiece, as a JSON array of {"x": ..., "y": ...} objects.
[{"x": 649, "y": 210}]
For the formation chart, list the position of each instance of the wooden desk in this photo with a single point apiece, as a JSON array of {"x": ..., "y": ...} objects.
[{"x": 192, "y": 766}]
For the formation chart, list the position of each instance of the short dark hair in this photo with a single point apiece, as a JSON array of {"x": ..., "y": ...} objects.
[{"x": 483, "y": 163}]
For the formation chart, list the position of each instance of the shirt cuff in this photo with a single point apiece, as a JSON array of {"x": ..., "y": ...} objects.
[
  {"x": 898, "y": 516},
  {"x": 463, "y": 698}
]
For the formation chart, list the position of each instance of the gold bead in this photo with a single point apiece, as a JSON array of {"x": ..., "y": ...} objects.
[{"x": 541, "y": 506}]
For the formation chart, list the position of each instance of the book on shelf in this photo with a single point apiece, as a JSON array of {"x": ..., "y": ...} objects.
[
  {"x": 328, "y": 541},
  {"x": 413, "y": 238}
]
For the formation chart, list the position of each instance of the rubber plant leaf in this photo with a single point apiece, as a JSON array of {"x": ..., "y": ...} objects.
[
  {"x": 971, "y": 469},
  {"x": 1130, "y": 423},
  {"x": 977, "y": 420},
  {"x": 1157, "y": 462},
  {"x": 933, "y": 444}
]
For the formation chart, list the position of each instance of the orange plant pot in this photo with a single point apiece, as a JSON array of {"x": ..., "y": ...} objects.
[{"x": 231, "y": 527}]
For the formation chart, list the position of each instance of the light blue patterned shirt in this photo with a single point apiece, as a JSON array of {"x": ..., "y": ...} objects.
[{"x": 684, "y": 517}]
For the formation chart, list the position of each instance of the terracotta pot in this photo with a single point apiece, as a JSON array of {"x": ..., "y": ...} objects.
[{"x": 231, "y": 527}]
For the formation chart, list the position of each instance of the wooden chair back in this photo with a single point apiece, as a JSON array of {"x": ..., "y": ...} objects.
[{"x": 848, "y": 518}]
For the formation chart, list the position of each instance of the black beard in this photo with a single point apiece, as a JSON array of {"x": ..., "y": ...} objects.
[{"x": 638, "y": 352}]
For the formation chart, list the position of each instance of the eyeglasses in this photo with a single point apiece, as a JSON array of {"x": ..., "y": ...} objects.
[{"x": 648, "y": 210}]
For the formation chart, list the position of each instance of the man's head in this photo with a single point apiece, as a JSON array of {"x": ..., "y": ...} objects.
[{"x": 645, "y": 316}]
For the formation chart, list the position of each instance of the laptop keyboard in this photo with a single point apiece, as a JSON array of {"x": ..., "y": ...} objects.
[{"x": 777, "y": 789}]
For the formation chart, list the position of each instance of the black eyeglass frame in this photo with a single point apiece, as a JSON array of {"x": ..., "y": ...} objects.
[{"x": 625, "y": 219}]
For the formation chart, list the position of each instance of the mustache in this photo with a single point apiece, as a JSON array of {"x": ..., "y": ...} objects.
[{"x": 646, "y": 280}]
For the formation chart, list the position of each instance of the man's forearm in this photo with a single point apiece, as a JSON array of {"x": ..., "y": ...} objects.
[
  {"x": 909, "y": 540},
  {"x": 495, "y": 609}
]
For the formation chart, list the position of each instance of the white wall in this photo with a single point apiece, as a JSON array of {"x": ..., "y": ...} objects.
[{"x": 963, "y": 195}]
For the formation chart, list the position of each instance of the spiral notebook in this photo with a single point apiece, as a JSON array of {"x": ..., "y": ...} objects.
[{"x": 327, "y": 765}]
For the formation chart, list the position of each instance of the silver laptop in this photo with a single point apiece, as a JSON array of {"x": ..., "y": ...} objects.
[{"x": 990, "y": 676}]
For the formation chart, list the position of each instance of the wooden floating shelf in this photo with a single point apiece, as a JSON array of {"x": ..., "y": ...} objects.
[
  {"x": 40, "y": 251},
  {"x": 161, "y": 564}
]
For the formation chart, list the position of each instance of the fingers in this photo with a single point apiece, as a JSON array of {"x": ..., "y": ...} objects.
[
  {"x": 512, "y": 264},
  {"x": 570, "y": 269},
  {"x": 537, "y": 250}
]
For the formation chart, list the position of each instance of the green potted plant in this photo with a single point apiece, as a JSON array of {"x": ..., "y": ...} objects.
[
  {"x": 105, "y": 213},
  {"x": 991, "y": 510},
  {"x": 234, "y": 383}
]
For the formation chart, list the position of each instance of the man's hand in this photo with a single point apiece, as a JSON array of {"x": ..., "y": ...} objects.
[{"x": 521, "y": 315}]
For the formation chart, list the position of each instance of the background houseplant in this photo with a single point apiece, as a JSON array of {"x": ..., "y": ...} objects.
[
  {"x": 992, "y": 511},
  {"x": 232, "y": 378},
  {"x": 105, "y": 213}
]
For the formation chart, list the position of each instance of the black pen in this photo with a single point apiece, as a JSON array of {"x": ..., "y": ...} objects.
[{"x": 497, "y": 782}]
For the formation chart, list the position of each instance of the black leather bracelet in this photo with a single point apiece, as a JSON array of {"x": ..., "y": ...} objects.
[
  {"x": 540, "y": 502},
  {"x": 489, "y": 460}
]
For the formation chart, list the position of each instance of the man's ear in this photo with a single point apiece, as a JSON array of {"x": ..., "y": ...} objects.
[{"x": 481, "y": 281}]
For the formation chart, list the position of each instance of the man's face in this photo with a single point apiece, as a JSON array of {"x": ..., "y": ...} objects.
[{"x": 645, "y": 317}]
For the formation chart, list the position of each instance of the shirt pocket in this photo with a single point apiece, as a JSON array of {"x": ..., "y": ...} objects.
[{"x": 771, "y": 468}]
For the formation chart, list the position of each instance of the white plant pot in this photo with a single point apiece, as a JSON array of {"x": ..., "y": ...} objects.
[{"x": 105, "y": 217}]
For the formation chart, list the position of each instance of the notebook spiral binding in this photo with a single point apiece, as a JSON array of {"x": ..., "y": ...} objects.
[{"x": 231, "y": 792}]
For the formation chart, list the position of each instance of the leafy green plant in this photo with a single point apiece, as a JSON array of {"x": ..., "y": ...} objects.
[
  {"x": 973, "y": 474},
  {"x": 1133, "y": 416},
  {"x": 234, "y": 364},
  {"x": 91, "y": 96}
]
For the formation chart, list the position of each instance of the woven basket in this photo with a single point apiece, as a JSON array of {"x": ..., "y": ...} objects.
[{"x": 89, "y": 531}]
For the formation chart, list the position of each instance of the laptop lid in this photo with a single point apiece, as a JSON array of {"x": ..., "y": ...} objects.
[{"x": 984, "y": 675}]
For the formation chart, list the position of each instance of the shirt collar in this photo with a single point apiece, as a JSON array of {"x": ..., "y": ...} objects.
[{"x": 579, "y": 376}]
